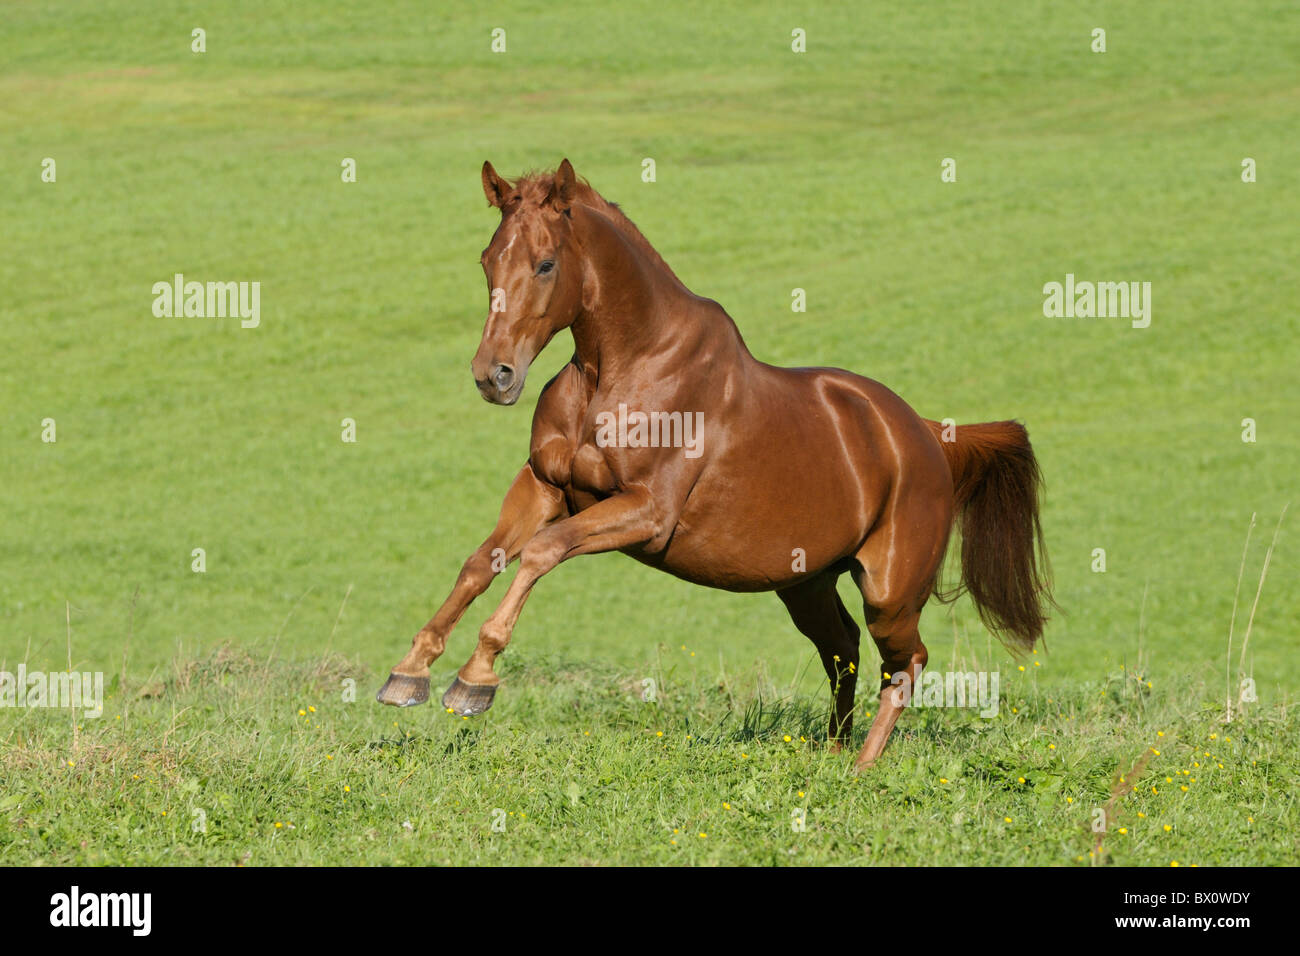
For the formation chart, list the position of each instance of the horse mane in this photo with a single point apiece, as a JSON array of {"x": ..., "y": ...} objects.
[{"x": 534, "y": 187}]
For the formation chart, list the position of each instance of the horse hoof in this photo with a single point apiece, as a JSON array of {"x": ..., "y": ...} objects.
[
  {"x": 403, "y": 691},
  {"x": 466, "y": 700}
]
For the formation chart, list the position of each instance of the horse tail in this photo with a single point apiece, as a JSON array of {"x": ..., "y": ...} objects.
[{"x": 996, "y": 485}]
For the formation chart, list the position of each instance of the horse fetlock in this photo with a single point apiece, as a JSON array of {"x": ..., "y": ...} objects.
[{"x": 493, "y": 639}]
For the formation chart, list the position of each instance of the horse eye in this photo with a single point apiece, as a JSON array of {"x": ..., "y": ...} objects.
[{"x": 546, "y": 267}]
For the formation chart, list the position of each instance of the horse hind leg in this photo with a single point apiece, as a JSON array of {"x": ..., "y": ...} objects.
[
  {"x": 820, "y": 615},
  {"x": 903, "y": 656},
  {"x": 893, "y": 593}
]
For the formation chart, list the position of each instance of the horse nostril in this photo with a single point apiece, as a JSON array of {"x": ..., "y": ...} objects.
[{"x": 503, "y": 376}]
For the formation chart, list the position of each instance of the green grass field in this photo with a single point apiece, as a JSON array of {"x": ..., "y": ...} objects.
[{"x": 775, "y": 170}]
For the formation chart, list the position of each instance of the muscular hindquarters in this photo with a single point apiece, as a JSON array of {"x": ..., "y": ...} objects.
[{"x": 803, "y": 476}]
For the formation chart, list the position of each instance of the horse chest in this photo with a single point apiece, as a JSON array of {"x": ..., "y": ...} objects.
[
  {"x": 575, "y": 467},
  {"x": 590, "y": 472}
]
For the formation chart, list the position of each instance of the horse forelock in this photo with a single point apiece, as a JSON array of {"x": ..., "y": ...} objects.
[{"x": 533, "y": 187}]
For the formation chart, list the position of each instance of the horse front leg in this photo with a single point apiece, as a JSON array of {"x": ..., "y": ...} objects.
[
  {"x": 619, "y": 522},
  {"x": 529, "y": 506}
]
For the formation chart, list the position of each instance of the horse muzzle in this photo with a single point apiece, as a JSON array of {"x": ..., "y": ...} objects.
[{"x": 502, "y": 385}]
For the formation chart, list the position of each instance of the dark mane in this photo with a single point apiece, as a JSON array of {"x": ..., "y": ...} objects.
[{"x": 534, "y": 187}]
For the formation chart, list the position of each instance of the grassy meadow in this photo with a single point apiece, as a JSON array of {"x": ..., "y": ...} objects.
[{"x": 228, "y": 735}]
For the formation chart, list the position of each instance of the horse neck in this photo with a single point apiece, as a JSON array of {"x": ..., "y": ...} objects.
[{"x": 637, "y": 308}]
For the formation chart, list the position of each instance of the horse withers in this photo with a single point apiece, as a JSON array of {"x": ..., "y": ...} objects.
[{"x": 792, "y": 476}]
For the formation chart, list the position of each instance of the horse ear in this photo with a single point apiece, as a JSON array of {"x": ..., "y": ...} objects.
[
  {"x": 562, "y": 187},
  {"x": 494, "y": 187}
]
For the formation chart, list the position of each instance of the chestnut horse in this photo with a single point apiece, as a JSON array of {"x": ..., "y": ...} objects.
[{"x": 794, "y": 477}]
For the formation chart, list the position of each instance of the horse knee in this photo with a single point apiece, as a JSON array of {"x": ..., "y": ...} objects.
[
  {"x": 541, "y": 554},
  {"x": 480, "y": 568}
]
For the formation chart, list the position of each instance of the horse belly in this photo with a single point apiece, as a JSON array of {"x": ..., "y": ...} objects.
[{"x": 759, "y": 542}]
